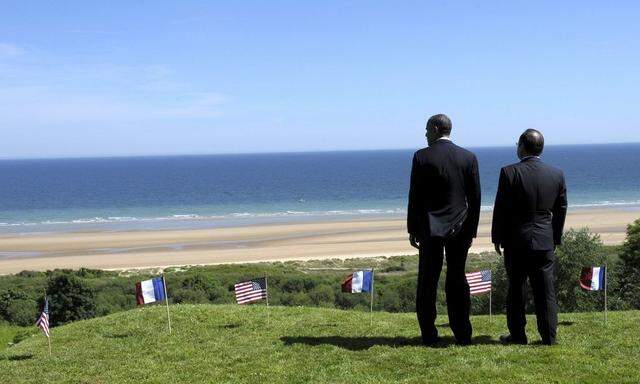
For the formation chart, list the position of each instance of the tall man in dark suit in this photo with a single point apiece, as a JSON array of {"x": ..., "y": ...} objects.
[
  {"x": 528, "y": 217},
  {"x": 443, "y": 214}
]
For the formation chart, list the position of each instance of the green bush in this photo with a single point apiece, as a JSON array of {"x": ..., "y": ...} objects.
[
  {"x": 323, "y": 296},
  {"x": 70, "y": 299},
  {"x": 580, "y": 248},
  {"x": 17, "y": 308},
  {"x": 22, "y": 312},
  {"x": 628, "y": 271}
]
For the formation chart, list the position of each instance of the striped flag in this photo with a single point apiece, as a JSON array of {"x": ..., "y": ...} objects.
[
  {"x": 43, "y": 320},
  {"x": 592, "y": 278},
  {"x": 150, "y": 291},
  {"x": 360, "y": 281},
  {"x": 252, "y": 290},
  {"x": 479, "y": 282}
]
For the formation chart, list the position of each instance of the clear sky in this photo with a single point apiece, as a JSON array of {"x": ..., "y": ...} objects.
[{"x": 169, "y": 77}]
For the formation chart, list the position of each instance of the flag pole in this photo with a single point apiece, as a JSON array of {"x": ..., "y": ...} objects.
[
  {"x": 371, "y": 309},
  {"x": 490, "y": 315},
  {"x": 166, "y": 300},
  {"x": 49, "y": 335},
  {"x": 266, "y": 287},
  {"x": 605, "y": 293},
  {"x": 491, "y": 294}
]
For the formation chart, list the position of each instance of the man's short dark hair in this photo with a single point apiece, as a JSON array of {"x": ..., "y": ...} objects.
[
  {"x": 442, "y": 122},
  {"x": 532, "y": 142}
]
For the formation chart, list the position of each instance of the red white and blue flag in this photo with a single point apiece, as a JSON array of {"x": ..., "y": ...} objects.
[
  {"x": 479, "y": 282},
  {"x": 593, "y": 278},
  {"x": 150, "y": 291},
  {"x": 252, "y": 290},
  {"x": 361, "y": 281},
  {"x": 43, "y": 320}
]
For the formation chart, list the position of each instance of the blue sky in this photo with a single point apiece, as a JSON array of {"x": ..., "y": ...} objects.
[{"x": 154, "y": 77}]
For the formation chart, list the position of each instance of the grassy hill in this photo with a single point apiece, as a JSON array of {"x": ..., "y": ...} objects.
[{"x": 240, "y": 344}]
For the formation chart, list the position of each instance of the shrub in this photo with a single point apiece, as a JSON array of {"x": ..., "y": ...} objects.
[
  {"x": 17, "y": 309},
  {"x": 580, "y": 248},
  {"x": 323, "y": 295},
  {"x": 628, "y": 273},
  {"x": 22, "y": 312},
  {"x": 70, "y": 299}
]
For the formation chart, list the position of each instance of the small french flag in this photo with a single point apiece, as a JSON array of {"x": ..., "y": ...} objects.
[
  {"x": 150, "y": 291},
  {"x": 592, "y": 278},
  {"x": 361, "y": 281}
]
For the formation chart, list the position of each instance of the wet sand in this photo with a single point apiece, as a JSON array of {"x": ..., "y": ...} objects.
[{"x": 299, "y": 241}]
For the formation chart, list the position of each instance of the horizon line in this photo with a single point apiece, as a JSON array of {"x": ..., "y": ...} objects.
[{"x": 284, "y": 152}]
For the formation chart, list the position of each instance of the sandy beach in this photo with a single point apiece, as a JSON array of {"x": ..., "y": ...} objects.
[{"x": 299, "y": 241}]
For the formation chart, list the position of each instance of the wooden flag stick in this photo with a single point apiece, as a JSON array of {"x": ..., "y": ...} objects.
[
  {"x": 49, "y": 335},
  {"x": 166, "y": 300},
  {"x": 490, "y": 315},
  {"x": 266, "y": 287},
  {"x": 371, "y": 310},
  {"x": 605, "y": 293},
  {"x": 491, "y": 294}
]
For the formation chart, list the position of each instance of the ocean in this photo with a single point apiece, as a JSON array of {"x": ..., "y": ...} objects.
[{"x": 51, "y": 195}]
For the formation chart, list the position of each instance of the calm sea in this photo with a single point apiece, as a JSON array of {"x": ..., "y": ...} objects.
[{"x": 226, "y": 190}]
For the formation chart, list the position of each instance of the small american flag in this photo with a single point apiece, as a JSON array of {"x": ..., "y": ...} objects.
[
  {"x": 252, "y": 290},
  {"x": 43, "y": 320},
  {"x": 479, "y": 282}
]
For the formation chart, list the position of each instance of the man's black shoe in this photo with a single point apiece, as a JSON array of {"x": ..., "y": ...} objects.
[
  {"x": 464, "y": 342},
  {"x": 508, "y": 339}
]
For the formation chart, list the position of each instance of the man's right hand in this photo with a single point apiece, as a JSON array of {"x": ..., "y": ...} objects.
[
  {"x": 414, "y": 240},
  {"x": 498, "y": 250}
]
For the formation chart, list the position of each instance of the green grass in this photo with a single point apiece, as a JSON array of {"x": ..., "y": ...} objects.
[
  {"x": 8, "y": 332},
  {"x": 237, "y": 344}
]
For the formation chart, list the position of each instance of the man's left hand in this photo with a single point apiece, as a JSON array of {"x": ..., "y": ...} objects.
[{"x": 414, "y": 240}]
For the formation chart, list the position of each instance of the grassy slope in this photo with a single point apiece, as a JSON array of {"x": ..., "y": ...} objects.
[
  {"x": 7, "y": 332},
  {"x": 223, "y": 343}
]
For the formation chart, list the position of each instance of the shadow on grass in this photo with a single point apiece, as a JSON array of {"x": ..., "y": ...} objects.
[
  {"x": 566, "y": 323},
  {"x": 362, "y": 343},
  {"x": 17, "y": 357},
  {"x": 230, "y": 326},
  {"x": 110, "y": 335}
]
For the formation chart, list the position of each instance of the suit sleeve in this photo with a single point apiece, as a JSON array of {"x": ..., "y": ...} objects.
[
  {"x": 500, "y": 210},
  {"x": 413, "y": 210},
  {"x": 473, "y": 198},
  {"x": 559, "y": 212}
]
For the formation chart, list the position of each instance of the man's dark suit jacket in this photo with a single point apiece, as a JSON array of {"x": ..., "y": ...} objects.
[
  {"x": 444, "y": 182},
  {"x": 530, "y": 207}
]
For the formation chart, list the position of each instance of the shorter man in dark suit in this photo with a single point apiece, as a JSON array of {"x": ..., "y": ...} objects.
[{"x": 528, "y": 217}]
